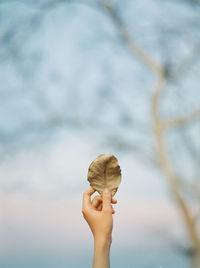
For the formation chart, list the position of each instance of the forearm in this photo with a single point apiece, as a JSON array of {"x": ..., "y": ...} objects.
[{"x": 101, "y": 253}]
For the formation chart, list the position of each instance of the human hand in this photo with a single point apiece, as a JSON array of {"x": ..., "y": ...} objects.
[{"x": 98, "y": 213}]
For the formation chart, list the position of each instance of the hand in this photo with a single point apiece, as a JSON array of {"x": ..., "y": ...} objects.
[{"x": 98, "y": 213}]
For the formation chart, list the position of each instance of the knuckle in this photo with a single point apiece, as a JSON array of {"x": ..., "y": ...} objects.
[{"x": 98, "y": 198}]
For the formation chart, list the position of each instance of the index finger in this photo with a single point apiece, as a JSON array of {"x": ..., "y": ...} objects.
[{"x": 86, "y": 198}]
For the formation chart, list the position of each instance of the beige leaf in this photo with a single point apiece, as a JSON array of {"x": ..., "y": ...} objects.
[{"x": 104, "y": 172}]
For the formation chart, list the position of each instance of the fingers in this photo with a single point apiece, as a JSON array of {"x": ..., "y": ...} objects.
[
  {"x": 106, "y": 196},
  {"x": 113, "y": 211},
  {"x": 100, "y": 206},
  {"x": 97, "y": 200},
  {"x": 114, "y": 201},
  {"x": 86, "y": 198}
]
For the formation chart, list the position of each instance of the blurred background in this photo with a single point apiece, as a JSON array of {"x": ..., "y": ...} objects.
[{"x": 82, "y": 78}]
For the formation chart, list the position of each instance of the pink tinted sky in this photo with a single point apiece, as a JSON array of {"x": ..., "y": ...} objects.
[{"x": 42, "y": 195}]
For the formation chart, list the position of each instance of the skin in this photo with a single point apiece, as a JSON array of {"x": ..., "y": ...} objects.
[{"x": 98, "y": 214}]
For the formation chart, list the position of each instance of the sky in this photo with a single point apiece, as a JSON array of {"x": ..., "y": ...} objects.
[
  {"x": 41, "y": 199},
  {"x": 70, "y": 64}
]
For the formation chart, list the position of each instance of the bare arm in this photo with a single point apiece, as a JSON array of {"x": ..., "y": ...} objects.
[
  {"x": 98, "y": 214},
  {"x": 101, "y": 253}
]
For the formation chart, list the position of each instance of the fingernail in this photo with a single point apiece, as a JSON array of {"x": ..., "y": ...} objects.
[{"x": 106, "y": 191}]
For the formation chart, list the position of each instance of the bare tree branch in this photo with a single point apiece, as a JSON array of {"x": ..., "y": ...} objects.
[
  {"x": 159, "y": 124},
  {"x": 127, "y": 38},
  {"x": 183, "y": 120}
]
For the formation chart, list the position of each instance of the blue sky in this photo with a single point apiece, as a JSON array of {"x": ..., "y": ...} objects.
[{"x": 73, "y": 66}]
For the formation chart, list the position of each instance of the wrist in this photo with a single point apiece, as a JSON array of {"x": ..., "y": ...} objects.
[
  {"x": 103, "y": 240},
  {"x": 101, "y": 252}
]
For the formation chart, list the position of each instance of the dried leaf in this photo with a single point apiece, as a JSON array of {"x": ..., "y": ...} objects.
[{"x": 104, "y": 172}]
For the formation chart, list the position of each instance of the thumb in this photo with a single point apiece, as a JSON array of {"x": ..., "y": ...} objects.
[{"x": 106, "y": 196}]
